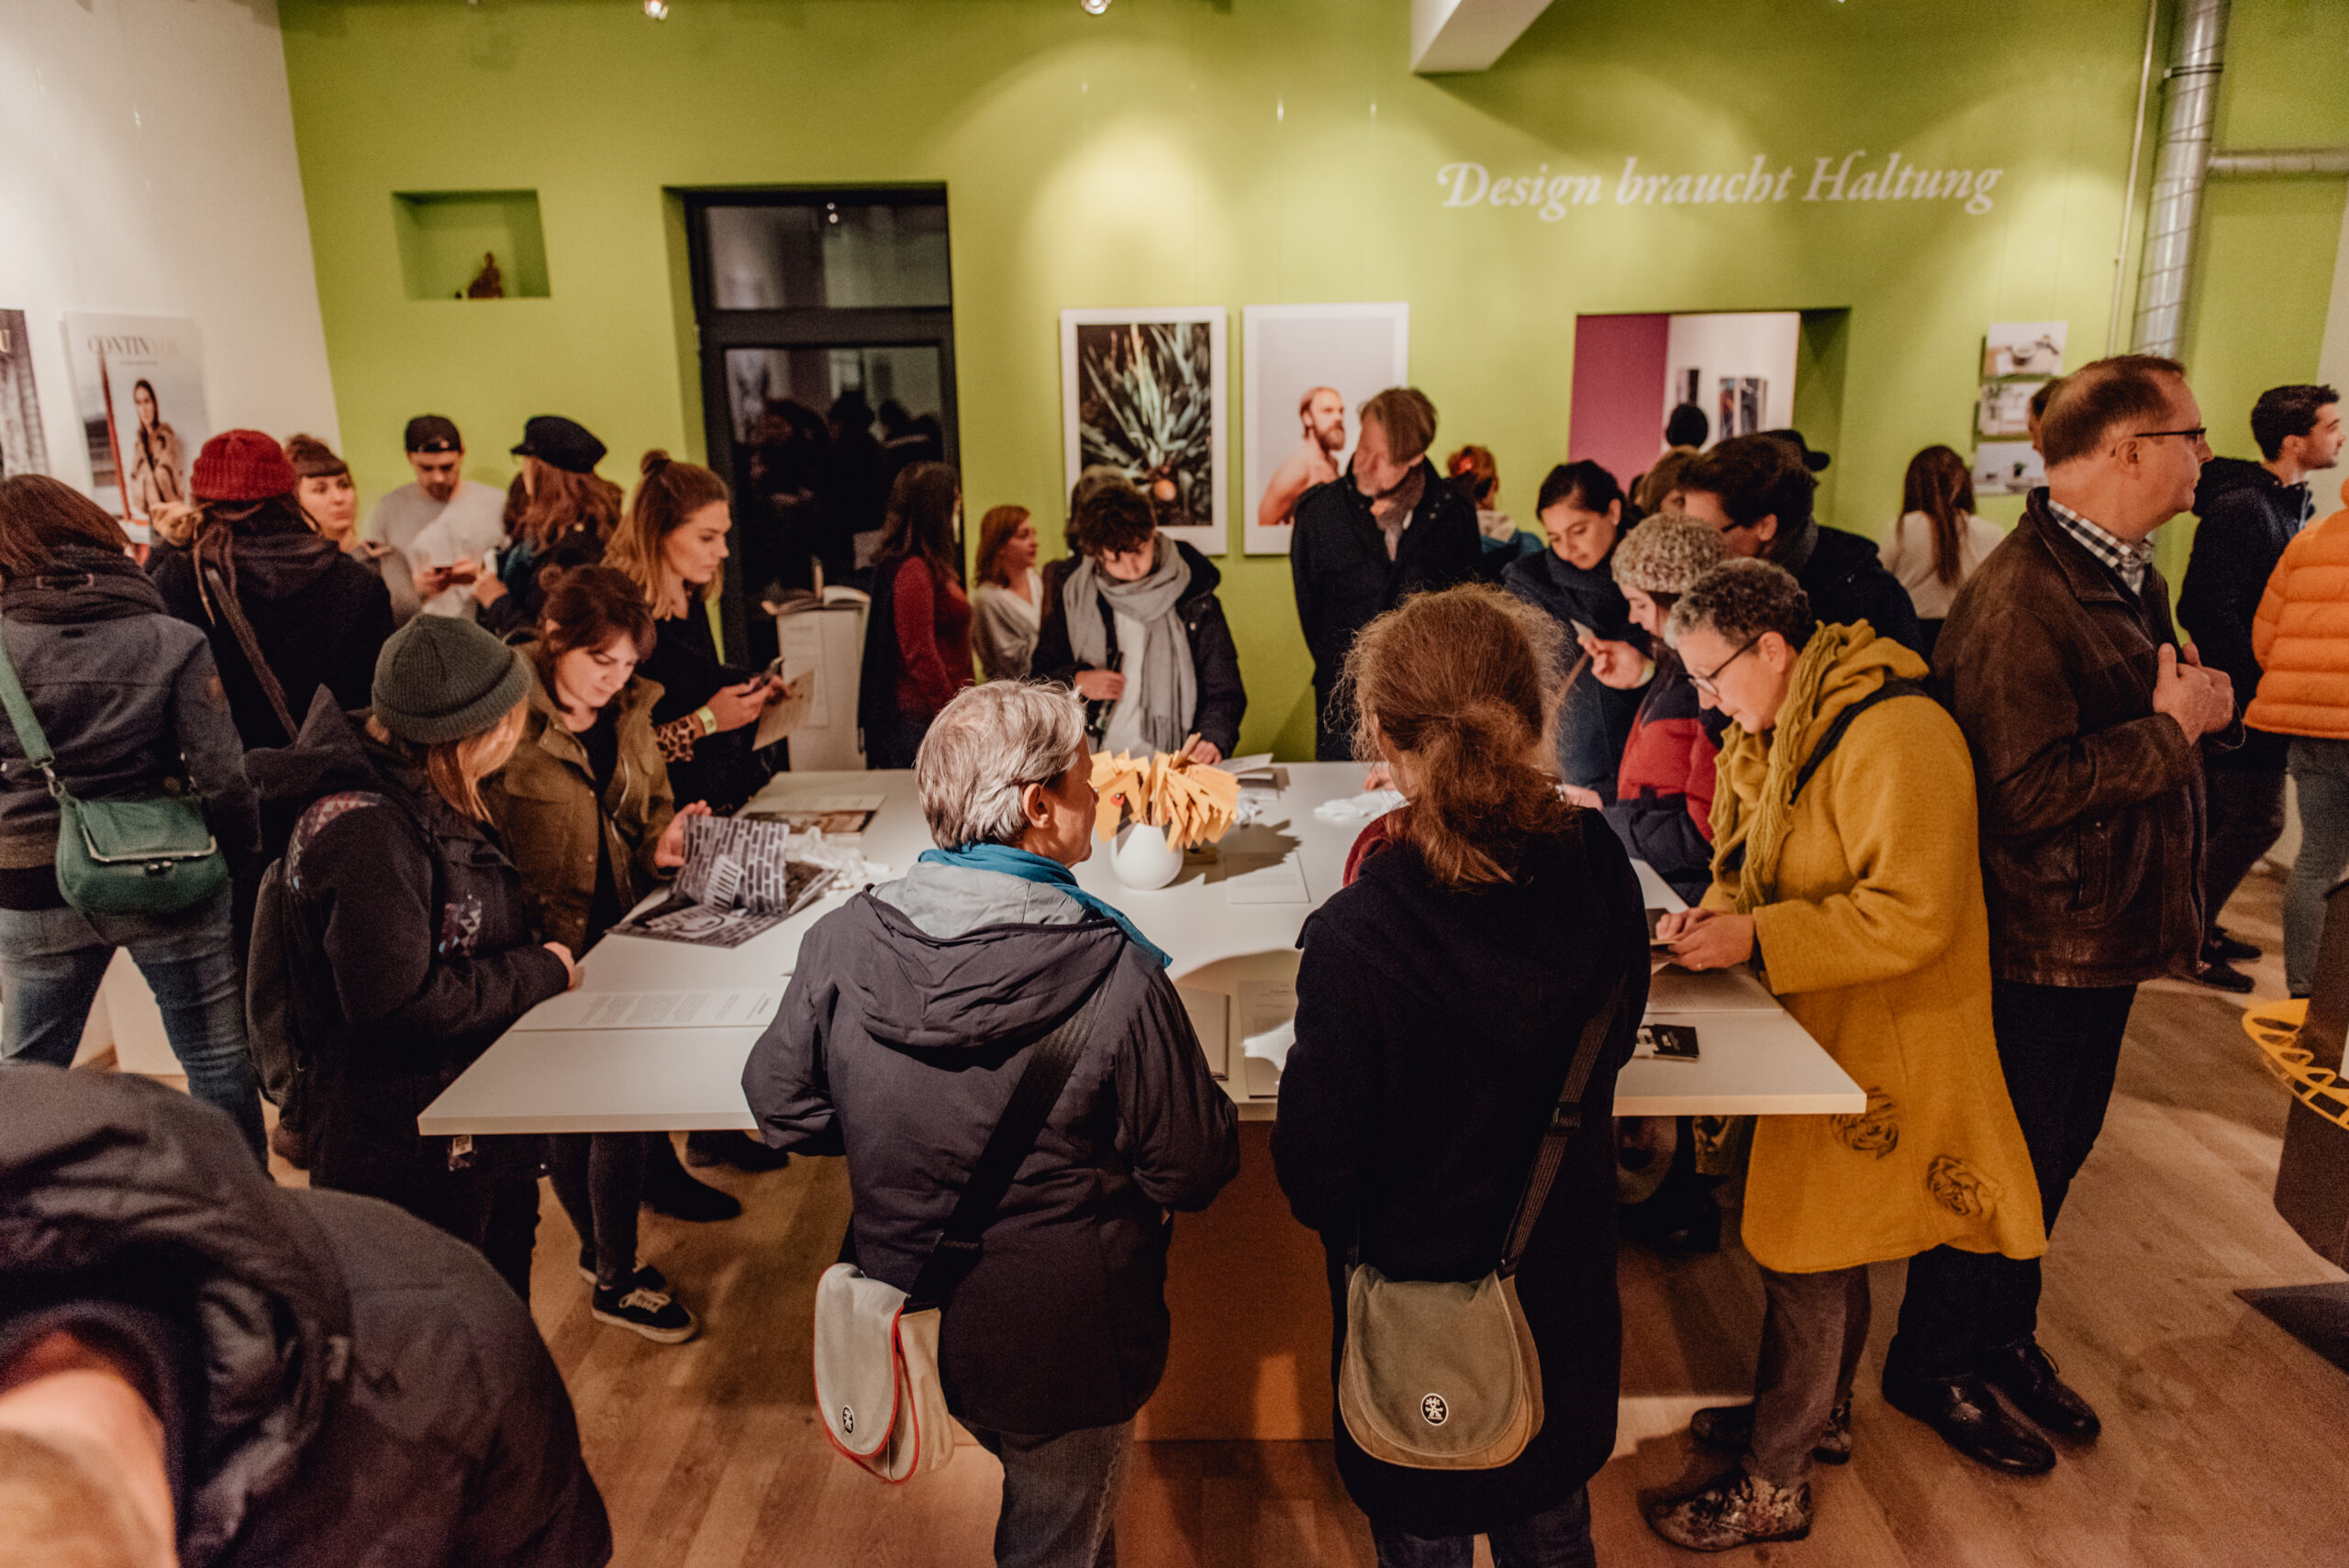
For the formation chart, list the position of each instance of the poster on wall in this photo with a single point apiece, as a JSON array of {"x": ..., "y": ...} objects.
[
  {"x": 2007, "y": 468},
  {"x": 1142, "y": 392},
  {"x": 1306, "y": 370},
  {"x": 2024, "y": 348},
  {"x": 2018, "y": 359},
  {"x": 23, "y": 448},
  {"x": 139, "y": 388}
]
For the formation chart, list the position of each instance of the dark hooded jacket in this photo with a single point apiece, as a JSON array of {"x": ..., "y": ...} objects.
[
  {"x": 337, "y": 1381},
  {"x": 130, "y": 702},
  {"x": 1214, "y": 660},
  {"x": 1847, "y": 582},
  {"x": 319, "y": 617},
  {"x": 901, "y": 1038},
  {"x": 1594, "y": 718},
  {"x": 2248, "y": 516},
  {"x": 1428, "y": 1056},
  {"x": 424, "y": 933}
]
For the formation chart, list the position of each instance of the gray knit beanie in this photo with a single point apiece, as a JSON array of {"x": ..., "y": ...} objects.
[
  {"x": 440, "y": 678},
  {"x": 1666, "y": 554}
]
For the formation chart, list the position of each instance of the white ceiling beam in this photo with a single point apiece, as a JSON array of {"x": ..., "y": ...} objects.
[{"x": 1466, "y": 35}]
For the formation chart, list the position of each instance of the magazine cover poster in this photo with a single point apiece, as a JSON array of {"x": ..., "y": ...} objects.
[
  {"x": 23, "y": 448},
  {"x": 139, "y": 389}
]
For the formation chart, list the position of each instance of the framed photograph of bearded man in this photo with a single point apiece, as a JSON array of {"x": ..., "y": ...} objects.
[
  {"x": 1305, "y": 370},
  {"x": 1142, "y": 392}
]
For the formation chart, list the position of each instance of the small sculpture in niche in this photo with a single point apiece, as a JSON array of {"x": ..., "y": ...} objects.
[{"x": 489, "y": 283}]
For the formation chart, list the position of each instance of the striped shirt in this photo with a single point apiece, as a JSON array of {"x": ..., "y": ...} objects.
[{"x": 2131, "y": 561}]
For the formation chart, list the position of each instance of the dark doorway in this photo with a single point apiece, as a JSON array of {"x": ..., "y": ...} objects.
[{"x": 827, "y": 328}]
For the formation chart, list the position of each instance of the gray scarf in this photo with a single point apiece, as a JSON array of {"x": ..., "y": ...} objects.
[{"x": 1169, "y": 686}]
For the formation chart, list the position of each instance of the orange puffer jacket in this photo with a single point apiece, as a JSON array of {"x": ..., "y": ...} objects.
[{"x": 2301, "y": 635}]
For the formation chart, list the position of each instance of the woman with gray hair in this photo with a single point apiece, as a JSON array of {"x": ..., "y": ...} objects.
[
  {"x": 911, "y": 1015},
  {"x": 1846, "y": 872}
]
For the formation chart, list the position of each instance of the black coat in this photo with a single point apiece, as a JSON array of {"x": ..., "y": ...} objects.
[
  {"x": 723, "y": 769},
  {"x": 356, "y": 1388},
  {"x": 1214, "y": 660},
  {"x": 1337, "y": 563},
  {"x": 319, "y": 617},
  {"x": 1434, "y": 1027},
  {"x": 427, "y": 941},
  {"x": 1847, "y": 582},
  {"x": 1594, "y": 718},
  {"x": 900, "y": 1050},
  {"x": 2241, "y": 537}
]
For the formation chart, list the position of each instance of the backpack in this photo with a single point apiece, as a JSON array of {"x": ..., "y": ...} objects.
[{"x": 289, "y": 997}]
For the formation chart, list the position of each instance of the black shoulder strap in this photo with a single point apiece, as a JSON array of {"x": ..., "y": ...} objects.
[
  {"x": 1893, "y": 686},
  {"x": 1049, "y": 1061},
  {"x": 234, "y": 613},
  {"x": 1566, "y": 1116}
]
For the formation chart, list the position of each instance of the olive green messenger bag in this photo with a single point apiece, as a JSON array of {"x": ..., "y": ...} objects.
[
  {"x": 148, "y": 855},
  {"x": 1442, "y": 1375}
]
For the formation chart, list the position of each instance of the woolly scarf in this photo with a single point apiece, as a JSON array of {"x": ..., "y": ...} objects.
[
  {"x": 1169, "y": 685},
  {"x": 1392, "y": 509},
  {"x": 1028, "y": 866},
  {"x": 1773, "y": 809}
]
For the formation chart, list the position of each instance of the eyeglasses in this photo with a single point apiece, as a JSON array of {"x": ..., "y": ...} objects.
[
  {"x": 1704, "y": 682},
  {"x": 2195, "y": 434}
]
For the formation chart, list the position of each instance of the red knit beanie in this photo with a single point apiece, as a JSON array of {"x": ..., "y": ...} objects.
[{"x": 242, "y": 465}]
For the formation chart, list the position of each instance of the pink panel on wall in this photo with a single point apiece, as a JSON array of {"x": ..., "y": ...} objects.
[{"x": 1617, "y": 417}]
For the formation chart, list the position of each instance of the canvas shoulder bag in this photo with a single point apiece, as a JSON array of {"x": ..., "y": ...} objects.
[
  {"x": 1444, "y": 1374},
  {"x": 876, "y": 1346},
  {"x": 143, "y": 855}
]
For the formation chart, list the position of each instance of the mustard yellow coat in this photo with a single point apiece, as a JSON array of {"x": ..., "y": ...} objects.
[{"x": 1877, "y": 942}]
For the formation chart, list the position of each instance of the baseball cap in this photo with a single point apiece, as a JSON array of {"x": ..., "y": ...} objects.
[{"x": 432, "y": 433}]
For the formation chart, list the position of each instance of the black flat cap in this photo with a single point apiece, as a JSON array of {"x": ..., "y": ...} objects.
[{"x": 560, "y": 443}]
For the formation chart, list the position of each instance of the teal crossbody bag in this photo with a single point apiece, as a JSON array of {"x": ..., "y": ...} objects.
[{"x": 152, "y": 855}]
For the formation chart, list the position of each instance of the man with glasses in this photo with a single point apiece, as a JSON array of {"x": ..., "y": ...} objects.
[
  {"x": 2088, "y": 723},
  {"x": 1758, "y": 491}
]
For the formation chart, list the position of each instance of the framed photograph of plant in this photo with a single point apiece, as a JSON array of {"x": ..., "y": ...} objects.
[{"x": 1142, "y": 392}]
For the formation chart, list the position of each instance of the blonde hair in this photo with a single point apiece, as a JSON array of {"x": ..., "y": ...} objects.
[
  {"x": 1459, "y": 680},
  {"x": 668, "y": 493},
  {"x": 456, "y": 768}
]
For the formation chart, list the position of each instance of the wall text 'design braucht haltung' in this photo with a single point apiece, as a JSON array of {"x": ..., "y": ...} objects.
[{"x": 1552, "y": 197}]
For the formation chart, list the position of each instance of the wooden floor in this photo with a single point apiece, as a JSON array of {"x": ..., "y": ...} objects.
[{"x": 2225, "y": 1438}]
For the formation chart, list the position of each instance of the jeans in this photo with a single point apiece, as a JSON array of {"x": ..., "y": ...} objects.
[
  {"x": 2246, "y": 816},
  {"x": 599, "y": 1176},
  {"x": 51, "y": 962},
  {"x": 1558, "y": 1539},
  {"x": 2059, "y": 1047},
  {"x": 1813, "y": 1329},
  {"x": 1060, "y": 1496},
  {"x": 2319, "y": 771}
]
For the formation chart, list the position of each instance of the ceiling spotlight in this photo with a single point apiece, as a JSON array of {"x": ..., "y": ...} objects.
[
  {"x": 657, "y": 9},
  {"x": 1093, "y": 8}
]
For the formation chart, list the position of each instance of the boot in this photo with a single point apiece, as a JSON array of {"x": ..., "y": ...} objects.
[
  {"x": 1729, "y": 1427},
  {"x": 1737, "y": 1509}
]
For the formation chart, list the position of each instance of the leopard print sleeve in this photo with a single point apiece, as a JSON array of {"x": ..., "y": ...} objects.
[{"x": 677, "y": 738}]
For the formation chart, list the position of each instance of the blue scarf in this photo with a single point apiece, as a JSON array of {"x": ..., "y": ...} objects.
[{"x": 1030, "y": 867}]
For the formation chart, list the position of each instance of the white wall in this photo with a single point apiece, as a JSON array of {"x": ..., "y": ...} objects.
[
  {"x": 147, "y": 168},
  {"x": 1737, "y": 343}
]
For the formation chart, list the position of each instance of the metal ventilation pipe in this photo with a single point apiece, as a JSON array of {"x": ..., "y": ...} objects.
[
  {"x": 2190, "y": 104},
  {"x": 2285, "y": 161}
]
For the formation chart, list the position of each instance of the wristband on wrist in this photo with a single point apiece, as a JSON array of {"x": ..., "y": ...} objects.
[{"x": 708, "y": 721}]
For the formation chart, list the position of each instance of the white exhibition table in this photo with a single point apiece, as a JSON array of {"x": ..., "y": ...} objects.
[{"x": 1227, "y": 921}]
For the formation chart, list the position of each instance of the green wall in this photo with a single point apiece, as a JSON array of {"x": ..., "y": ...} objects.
[{"x": 1254, "y": 151}]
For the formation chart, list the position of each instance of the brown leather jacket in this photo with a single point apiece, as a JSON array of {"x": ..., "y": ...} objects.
[
  {"x": 545, "y": 807},
  {"x": 2092, "y": 807}
]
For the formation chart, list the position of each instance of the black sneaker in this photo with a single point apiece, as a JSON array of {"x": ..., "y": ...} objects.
[
  {"x": 706, "y": 1149},
  {"x": 1729, "y": 1427},
  {"x": 655, "y": 1314},
  {"x": 646, "y": 1274},
  {"x": 679, "y": 1196},
  {"x": 2220, "y": 975}
]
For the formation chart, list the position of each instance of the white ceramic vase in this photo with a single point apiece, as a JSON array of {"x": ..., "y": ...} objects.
[{"x": 1143, "y": 860}]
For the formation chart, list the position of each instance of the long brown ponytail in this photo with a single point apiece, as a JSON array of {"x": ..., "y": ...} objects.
[
  {"x": 1938, "y": 484},
  {"x": 1455, "y": 679}
]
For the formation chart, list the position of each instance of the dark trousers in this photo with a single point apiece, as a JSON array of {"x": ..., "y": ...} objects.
[
  {"x": 493, "y": 1210},
  {"x": 1813, "y": 1328},
  {"x": 2059, "y": 1046},
  {"x": 1559, "y": 1538},
  {"x": 1060, "y": 1496},
  {"x": 2246, "y": 818},
  {"x": 599, "y": 1176}
]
